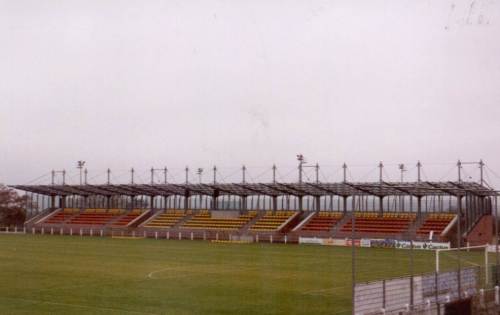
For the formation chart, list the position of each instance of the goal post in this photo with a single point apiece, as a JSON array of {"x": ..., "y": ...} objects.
[{"x": 469, "y": 255}]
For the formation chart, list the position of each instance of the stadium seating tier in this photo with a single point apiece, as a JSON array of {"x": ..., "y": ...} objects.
[
  {"x": 95, "y": 217},
  {"x": 436, "y": 222},
  {"x": 387, "y": 223},
  {"x": 271, "y": 221},
  {"x": 323, "y": 221},
  {"x": 204, "y": 220}
]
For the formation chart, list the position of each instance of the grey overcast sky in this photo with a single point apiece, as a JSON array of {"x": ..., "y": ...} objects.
[{"x": 153, "y": 83}]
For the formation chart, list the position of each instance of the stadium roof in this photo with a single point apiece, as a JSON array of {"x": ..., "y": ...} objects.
[{"x": 268, "y": 189}]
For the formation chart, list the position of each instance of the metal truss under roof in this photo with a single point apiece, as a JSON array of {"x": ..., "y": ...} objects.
[{"x": 346, "y": 189}]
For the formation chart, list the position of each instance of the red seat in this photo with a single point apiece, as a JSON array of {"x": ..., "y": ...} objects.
[{"x": 380, "y": 224}]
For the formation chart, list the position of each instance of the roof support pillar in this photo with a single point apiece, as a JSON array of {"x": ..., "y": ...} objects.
[
  {"x": 52, "y": 201},
  {"x": 300, "y": 203},
  {"x": 275, "y": 203},
  {"x": 381, "y": 205},
  {"x": 186, "y": 199},
  {"x": 344, "y": 205},
  {"x": 243, "y": 203},
  {"x": 318, "y": 203},
  {"x": 215, "y": 197}
]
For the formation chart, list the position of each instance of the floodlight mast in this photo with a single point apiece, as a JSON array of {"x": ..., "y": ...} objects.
[
  {"x": 244, "y": 170},
  {"x": 419, "y": 167},
  {"x": 80, "y": 165},
  {"x": 215, "y": 174},
  {"x": 459, "y": 167},
  {"x": 344, "y": 198},
  {"x": 381, "y": 179},
  {"x": 381, "y": 170},
  {"x": 481, "y": 171},
  {"x": 302, "y": 161},
  {"x": 243, "y": 204},
  {"x": 402, "y": 169},
  {"x": 317, "y": 173},
  {"x": 200, "y": 173},
  {"x": 344, "y": 168},
  {"x": 419, "y": 180},
  {"x": 274, "y": 173}
]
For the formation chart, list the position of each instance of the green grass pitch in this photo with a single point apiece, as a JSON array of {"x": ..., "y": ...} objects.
[{"x": 96, "y": 275}]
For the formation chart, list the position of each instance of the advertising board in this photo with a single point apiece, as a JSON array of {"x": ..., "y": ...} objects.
[{"x": 422, "y": 245}]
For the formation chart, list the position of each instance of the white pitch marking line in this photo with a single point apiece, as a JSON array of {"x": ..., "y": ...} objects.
[
  {"x": 150, "y": 275},
  {"x": 463, "y": 259},
  {"x": 318, "y": 292},
  {"x": 77, "y": 305}
]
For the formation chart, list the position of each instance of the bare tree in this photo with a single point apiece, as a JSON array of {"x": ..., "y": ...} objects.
[{"x": 12, "y": 207}]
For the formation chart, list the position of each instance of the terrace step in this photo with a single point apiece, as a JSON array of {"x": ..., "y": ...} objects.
[
  {"x": 412, "y": 230},
  {"x": 142, "y": 217},
  {"x": 347, "y": 217},
  {"x": 323, "y": 221},
  {"x": 273, "y": 221},
  {"x": 207, "y": 221},
  {"x": 33, "y": 219},
  {"x": 67, "y": 217},
  {"x": 126, "y": 219},
  {"x": 250, "y": 223},
  {"x": 186, "y": 218}
]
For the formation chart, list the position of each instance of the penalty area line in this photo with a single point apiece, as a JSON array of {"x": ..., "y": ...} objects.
[{"x": 319, "y": 291}]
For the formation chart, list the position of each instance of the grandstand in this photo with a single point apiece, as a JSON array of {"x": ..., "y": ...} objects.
[
  {"x": 375, "y": 207},
  {"x": 372, "y": 215}
]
